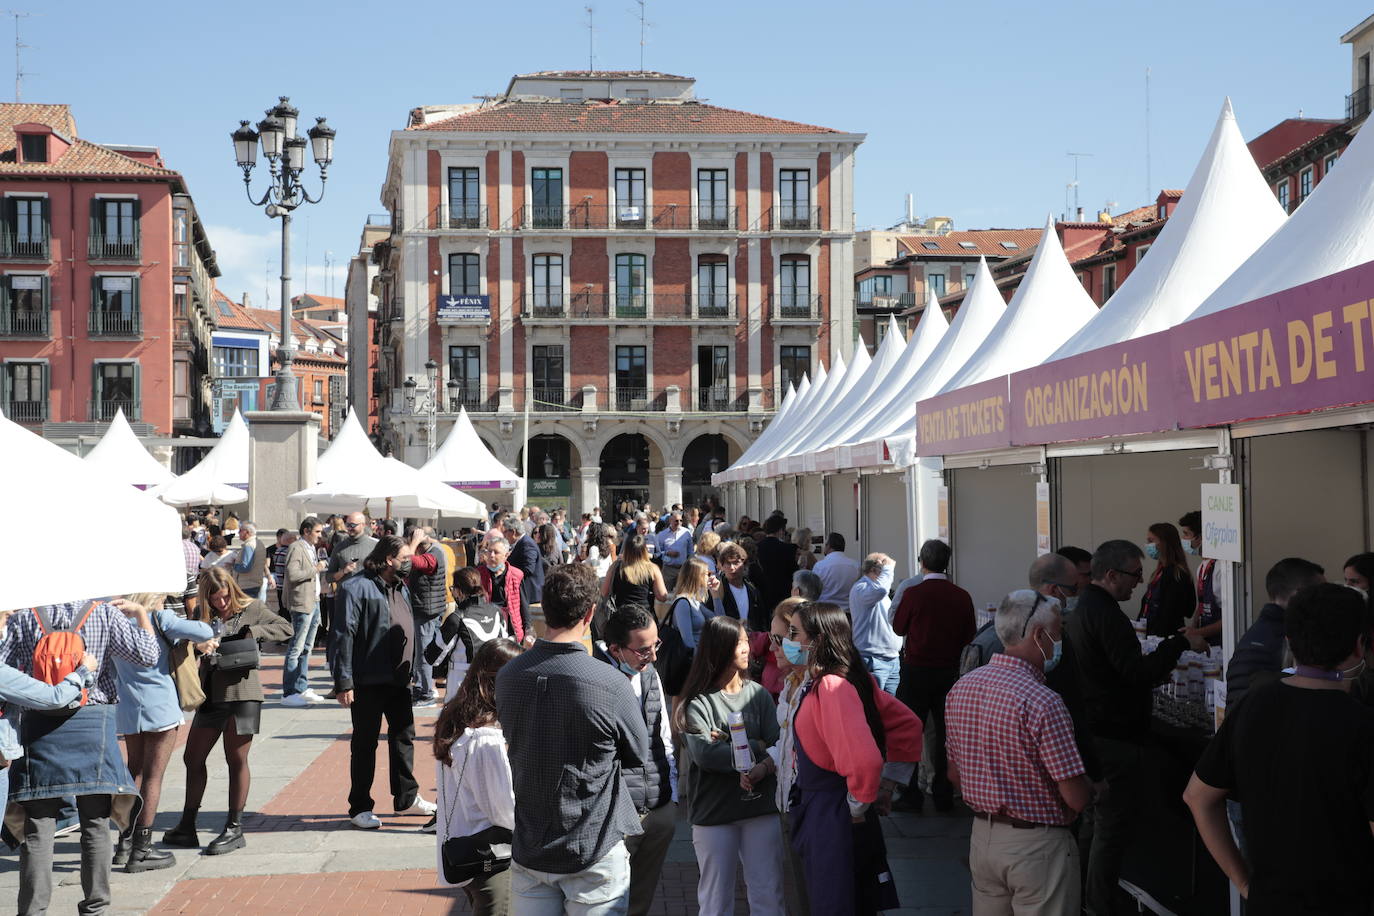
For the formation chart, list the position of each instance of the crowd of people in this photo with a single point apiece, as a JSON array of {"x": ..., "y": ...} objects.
[{"x": 600, "y": 678}]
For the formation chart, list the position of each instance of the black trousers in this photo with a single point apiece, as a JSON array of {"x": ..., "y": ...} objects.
[
  {"x": 1107, "y": 827},
  {"x": 370, "y": 704},
  {"x": 924, "y": 691}
]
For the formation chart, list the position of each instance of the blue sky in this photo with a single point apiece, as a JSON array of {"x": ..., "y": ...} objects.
[{"x": 969, "y": 106}]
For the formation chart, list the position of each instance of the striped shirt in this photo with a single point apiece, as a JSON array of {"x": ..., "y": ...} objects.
[
  {"x": 192, "y": 554},
  {"x": 1012, "y": 740},
  {"x": 106, "y": 633}
]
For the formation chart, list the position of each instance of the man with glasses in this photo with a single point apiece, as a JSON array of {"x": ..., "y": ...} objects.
[
  {"x": 632, "y": 645},
  {"x": 1012, "y": 753},
  {"x": 1117, "y": 679},
  {"x": 345, "y": 560}
]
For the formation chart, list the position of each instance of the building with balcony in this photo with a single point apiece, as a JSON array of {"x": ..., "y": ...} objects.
[
  {"x": 105, "y": 284},
  {"x": 643, "y": 271}
]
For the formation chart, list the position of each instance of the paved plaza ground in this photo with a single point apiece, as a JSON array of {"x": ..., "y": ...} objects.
[{"x": 303, "y": 857}]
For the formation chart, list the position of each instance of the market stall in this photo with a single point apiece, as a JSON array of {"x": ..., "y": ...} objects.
[
  {"x": 120, "y": 455},
  {"x": 221, "y": 477}
]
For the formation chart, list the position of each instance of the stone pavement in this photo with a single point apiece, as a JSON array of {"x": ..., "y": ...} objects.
[{"x": 303, "y": 857}]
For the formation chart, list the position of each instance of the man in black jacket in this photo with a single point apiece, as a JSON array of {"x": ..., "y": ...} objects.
[
  {"x": 526, "y": 556},
  {"x": 374, "y": 634},
  {"x": 777, "y": 559},
  {"x": 1259, "y": 653},
  {"x": 1117, "y": 680}
]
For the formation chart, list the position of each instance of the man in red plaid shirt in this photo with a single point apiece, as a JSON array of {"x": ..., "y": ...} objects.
[{"x": 1012, "y": 753}]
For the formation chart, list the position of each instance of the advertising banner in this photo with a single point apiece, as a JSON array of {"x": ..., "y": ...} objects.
[
  {"x": 965, "y": 420},
  {"x": 464, "y": 308}
]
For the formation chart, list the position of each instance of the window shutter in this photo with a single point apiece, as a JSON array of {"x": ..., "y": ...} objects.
[
  {"x": 95, "y": 390},
  {"x": 136, "y": 409},
  {"x": 97, "y": 211},
  {"x": 134, "y": 294},
  {"x": 97, "y": 323},
  {"x": 47, "y": 390}
]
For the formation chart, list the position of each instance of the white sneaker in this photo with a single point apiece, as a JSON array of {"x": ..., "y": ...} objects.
[
  {"x": 312, "y": 696},
  {"x": 365, "y": 820},
  {"x": 295, "y": 701},
  {"x": 422, "y": 806}
]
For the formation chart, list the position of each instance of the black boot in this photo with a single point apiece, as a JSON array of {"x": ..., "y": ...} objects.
[
  {"x": 231, "y": 838},
  {"x": 145, "y": 856},
  {"x": 122, "y": 847},
  {"x": 183, "y": 835}
]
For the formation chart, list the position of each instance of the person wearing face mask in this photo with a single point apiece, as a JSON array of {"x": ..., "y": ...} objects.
[
  {"x": 1298, "y": 754},
  {"x": 1170, "y": 598},
  {"x": 374, "y": 634},
  {"x": 1359, "y": 573},
  {"x": 789, "y": 655},
  {"x": 1082, "y": 563},
  {"x": 631, "y": 646},
  {"x": 1012, "y": 753},
  {"x": 1209, "y": 599},
  {"x": 1117, "y": 679},
  {"x": 503, "y": 583}
]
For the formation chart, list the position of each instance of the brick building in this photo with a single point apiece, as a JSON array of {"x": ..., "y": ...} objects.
[
  {"x": 645, "y": 270},
  {"x": 105, "y": 284},
  {"x": 361, "y": 289}
]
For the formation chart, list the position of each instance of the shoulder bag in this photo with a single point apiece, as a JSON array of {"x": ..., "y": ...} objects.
[
  {"x": 237, "y": 653},
  {"x": 185, "y": 670},
  {"x": 674, "y": 658},
  {"x": 478, "y": 855}
]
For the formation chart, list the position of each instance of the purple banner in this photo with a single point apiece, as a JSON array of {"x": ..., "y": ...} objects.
[
  {"x": 1111, "y": 391},
  {"x": 481, "y": 484},
  {"x": 1306, "y": 348},
  {"x": 966, "y": 420}
]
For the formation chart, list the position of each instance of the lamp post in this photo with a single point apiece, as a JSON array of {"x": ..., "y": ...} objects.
[
  {"x": 430, "y": 404},
  {"x": 285, "y": 153}
]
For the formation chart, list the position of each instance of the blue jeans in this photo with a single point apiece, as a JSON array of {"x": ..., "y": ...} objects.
[
  {"x": 293, "y": 676},
  {"x": 888, "y": 671},
  {"x": 601, "y": 889},
  {"x": 423, "y": 684}
]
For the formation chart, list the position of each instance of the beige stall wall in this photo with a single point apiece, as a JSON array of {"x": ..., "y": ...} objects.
[
  {"x": 787, "y": 498},
  {"x": 887, "y": 519},
  {"x": 813, "y": 505},
  {"x": 993, "y": 530},
  {"x": 1306, "y": 499},
  {"x": 840, "y": 510}
]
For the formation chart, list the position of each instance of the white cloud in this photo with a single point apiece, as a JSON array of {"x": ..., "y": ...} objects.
[{"x": 250, "y": 261}]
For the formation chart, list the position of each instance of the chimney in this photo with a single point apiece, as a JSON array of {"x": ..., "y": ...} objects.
[
  {"x": 246, "y": 303},
  {"x": 1080, "y": 214},
  {"x": 911, "y": 210}
]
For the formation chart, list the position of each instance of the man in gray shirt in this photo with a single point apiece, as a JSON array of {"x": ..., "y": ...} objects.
[
  {"x": 571, "y": 724},
  {"x": 344, "y": 560}
]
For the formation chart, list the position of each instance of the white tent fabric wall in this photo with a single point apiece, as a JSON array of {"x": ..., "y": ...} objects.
[
  {"x": 930, "y": 330},
  {"x": 1049, "y": 306},
  {"x": 979, "y": 312},
  {"x": 789, "y": 401},
  {"x": 46, "y": 481},
  {"x": 809, "y": 437},
  {"x": 1227, "y": 211},
  {"x": 221, "y": 478},
  {"x": 875, "y": 378},
  {"x": 808, "y": 394},
  {"x": 825, "y": 396},
  {"x": 1332, "y": 231},
  {"x": 463, "y": 456},
  {"x": 120, "y": 455}
]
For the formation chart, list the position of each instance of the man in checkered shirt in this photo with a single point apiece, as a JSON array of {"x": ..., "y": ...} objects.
[{"x": 1012, "y": 753}]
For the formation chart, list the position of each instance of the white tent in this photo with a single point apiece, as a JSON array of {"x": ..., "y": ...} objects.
[
  {"x": 221, "y": 478},
  {"x": 464, "y": 461},
  {"x": 821, "y": 394},
  {"x": 930, "y": 330},
  {"x": 120, "y": 455},
  {"x": 807, "y": 436},
  {"x": 877, "y": 378},
  {"x": 979, "y": 312},
  {"x": 44, "y": 481},
  {"x": 746, "y": 468},
  {"x": 1049, "y": 306},
  {"x": 352, "y": 475},
  {"x": 1227, "y": 211},
  {"x": 1332, "y": 231}
]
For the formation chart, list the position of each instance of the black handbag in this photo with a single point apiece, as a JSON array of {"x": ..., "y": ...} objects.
[
  {"x": 237, "y": 654},
  {"x": 674, "y": 658},
  {"x": 478, "y": 855}
]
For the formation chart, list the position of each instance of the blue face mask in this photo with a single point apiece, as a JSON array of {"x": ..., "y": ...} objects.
[
  {"x": 1052, "y": 661},
  {"x": 796, "y": 653},
  {"x": 1152, "y": 551},
  {"x": 626, "y": 669},
  {"x": 1189, "y": 549}
]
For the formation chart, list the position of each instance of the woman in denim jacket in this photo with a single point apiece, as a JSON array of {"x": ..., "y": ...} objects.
[{"x": 17, "y": 690}]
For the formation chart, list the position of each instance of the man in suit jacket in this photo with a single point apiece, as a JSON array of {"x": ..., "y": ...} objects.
[
  {"x": 526, "y": 556},
  {"x": 301, "y": 597},
  {"x": 936, "y": 617},
  {"x": 735, "y": 596},
  {"x": 777, "y": 557}
]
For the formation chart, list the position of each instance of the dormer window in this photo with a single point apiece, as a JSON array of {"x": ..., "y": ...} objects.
[{"x": 33, "y": 147}]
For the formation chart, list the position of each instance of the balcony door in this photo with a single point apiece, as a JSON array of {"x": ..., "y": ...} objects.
[
  {"x": 546, "y": 193},
  {"x": 794, "y": 198},
  {"x": 465, "y": 368},
  {"x": 713, "y": 191},
  {"x": 547, "y": 364},
  {"x": 713, "y": 378},
  {"x": 631, "y": 378},
  {"x": 547, "y": 284},
  {"x": 713, "y": 286},
  {"x": 116, "y": 388},
  {"x": 631, "y": 285}
]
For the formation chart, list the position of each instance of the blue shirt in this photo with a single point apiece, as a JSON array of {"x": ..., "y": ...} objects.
[
  {"x": 147, "y": 696},
  {"x": 871, "y": 611},
  {"x": 680, "y": 541}
]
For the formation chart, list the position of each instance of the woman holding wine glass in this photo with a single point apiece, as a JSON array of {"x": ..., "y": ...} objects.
[{"x": 730, "y": 784}]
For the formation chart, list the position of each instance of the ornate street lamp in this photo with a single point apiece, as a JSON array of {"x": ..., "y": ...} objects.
[
  {"x": 285, "y": 154},
  {"x": 548, "y": 466}
]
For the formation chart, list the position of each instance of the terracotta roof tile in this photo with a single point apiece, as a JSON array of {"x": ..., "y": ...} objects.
[
  {"x": 986, "y": 242},
  {"x": 601, "y": 74},
  {"x": 616, "y": 117},
  {"x": 81, "y": 158}
]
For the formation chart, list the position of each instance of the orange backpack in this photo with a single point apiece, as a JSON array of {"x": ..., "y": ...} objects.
[{"x": 60, "y": 649}]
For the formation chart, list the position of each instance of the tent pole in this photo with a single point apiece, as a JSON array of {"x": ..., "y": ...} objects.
[
  {"x": 388, "y": 507},
  {"x": 525, "y": 456}
]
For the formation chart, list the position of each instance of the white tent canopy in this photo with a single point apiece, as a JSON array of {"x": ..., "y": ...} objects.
[
  {"x": 1332, "y": 231},
  {"x": 221, "y": 478},
  {"x": 930, "y": 330},
  {"x": 121, "y": 456},
  {"x": 877, "y": 378},
  {"x": 1227, "y": 211},
  {"x": 806, "y": 396},
  {"x": 807, "y": 437},
  {"x": 353, "y": 476},
  {"x": 1049, "y": 306},
  {"x": 45, "y": 481},
  {"x": 821, "y": 394},
  {"x": 464, "y": 461}
]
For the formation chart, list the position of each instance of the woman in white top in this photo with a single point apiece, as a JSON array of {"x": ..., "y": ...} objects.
[
  {"x": 475, "y": 789},
  {"x": 218, "y": 554}
]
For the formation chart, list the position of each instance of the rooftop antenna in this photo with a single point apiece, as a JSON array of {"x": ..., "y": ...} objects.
[
  {"x": 329, "y": 273},
  {"x": 1074, "y": 183},
  {"x": 591, "y": 46},
  {"x": 1149, "y": 182},
  {"x": 643, "y": 30},
  {"x": 19, "y": 72}
]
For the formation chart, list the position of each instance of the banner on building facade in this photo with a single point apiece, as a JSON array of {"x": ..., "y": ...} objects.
[
  {"x": 550, "y": 487},
  {"x": 464, "y": 308}
]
